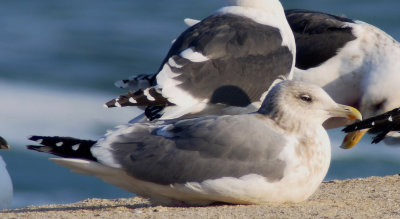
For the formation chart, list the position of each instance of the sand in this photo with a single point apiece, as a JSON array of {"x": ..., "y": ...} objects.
[{"x": 373, "y": 197}]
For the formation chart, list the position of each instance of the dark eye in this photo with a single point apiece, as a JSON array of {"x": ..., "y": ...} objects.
[{"x": 306, "y": 98}]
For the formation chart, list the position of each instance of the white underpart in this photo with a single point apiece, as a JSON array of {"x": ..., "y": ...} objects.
[
  {"x": 6, "y": 187},
  {"x": 192, "y": 55}
]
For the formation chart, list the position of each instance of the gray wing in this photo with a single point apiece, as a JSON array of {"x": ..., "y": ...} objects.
[
  {"x": 199, "y": 149},
  {"x": 245, "y": 57},
  {"x": 318, "y": 36}
]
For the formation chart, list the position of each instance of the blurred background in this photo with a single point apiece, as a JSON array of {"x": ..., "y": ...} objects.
[{"x": 59, "y": 60}]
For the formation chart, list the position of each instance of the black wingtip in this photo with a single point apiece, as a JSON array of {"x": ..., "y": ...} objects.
[
  {"x": 349, "y": 128},
  {"x": 378, "y": 138},
  {"x": 35, "y": 138},
  {"x": 63, "y": 146},
  {"x": 111, "y": 104},
  {"x": 122, "y": 101}
]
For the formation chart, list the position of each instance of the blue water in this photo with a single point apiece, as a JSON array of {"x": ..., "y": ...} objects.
[{"x": 59, "y": 60}]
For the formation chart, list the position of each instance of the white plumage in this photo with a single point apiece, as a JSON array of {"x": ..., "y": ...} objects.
[{"x": 6, "y": 187}]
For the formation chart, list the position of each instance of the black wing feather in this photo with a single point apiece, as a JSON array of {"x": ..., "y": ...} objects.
[{"x": 318, "y": 36}]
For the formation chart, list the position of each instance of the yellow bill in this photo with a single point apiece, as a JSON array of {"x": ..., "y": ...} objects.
[{"x": 352, "y": 138}]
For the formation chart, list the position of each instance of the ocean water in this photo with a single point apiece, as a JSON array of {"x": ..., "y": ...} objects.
[{"x": 59, "y": 60}]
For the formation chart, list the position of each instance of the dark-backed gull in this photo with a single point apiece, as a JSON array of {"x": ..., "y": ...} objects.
[
  {"x": 224, "y": 64},
  {"x": 356, "y": 63},
  {"x": 281, "y": 153}
]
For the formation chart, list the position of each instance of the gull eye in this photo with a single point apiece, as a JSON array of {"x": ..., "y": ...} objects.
[{"x": 306, "y": 98}]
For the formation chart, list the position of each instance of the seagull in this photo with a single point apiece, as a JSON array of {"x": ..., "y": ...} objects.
[
  {"x": 224, "y": 64},
  {"x": 6, "y": 187},
  {"x": 275, "y": 154},
  {"x": 356, "y": 63},
  {"x": 386, "y": 125}
]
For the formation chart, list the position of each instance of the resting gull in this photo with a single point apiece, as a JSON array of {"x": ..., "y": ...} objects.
[
  {"x": 281, "y": 153},
  {"x": 222, "y": 65},
  {"x": 6, "y": 187},
  {"x": 385, "y": 126}
]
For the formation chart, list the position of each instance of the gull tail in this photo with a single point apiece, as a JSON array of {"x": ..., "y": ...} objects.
[
  {"x": 146, "y": 97},
  {"x": 63, "y": 146},
  {"x": 137, "y": 82}
]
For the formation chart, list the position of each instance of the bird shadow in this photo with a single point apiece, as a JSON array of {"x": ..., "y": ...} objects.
[
  {"x": 75, "y": 208},
  {"x": 95, "y": 207}
]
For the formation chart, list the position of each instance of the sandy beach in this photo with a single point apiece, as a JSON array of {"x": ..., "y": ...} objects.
[{"x": 373, "y": 197}]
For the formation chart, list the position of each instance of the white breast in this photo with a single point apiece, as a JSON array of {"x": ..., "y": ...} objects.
[{"x": 6, "y": 188}]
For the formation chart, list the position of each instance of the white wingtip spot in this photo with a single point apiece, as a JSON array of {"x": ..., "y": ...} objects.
[
  {"x": 105, "y": 105},
  {"x": 373, "y": 123},
  {"x": 193, "y": 56},
  {"x": 132, "y": 100},
  {"x": 117, "y": 104},
  {"x": 148, "y": 95},
  {"x": 390, "y": 119},
  {"x": 75, "y": 147},
  {"x": 59, "y": 144},
  {"x": 39, "y": 141}
]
